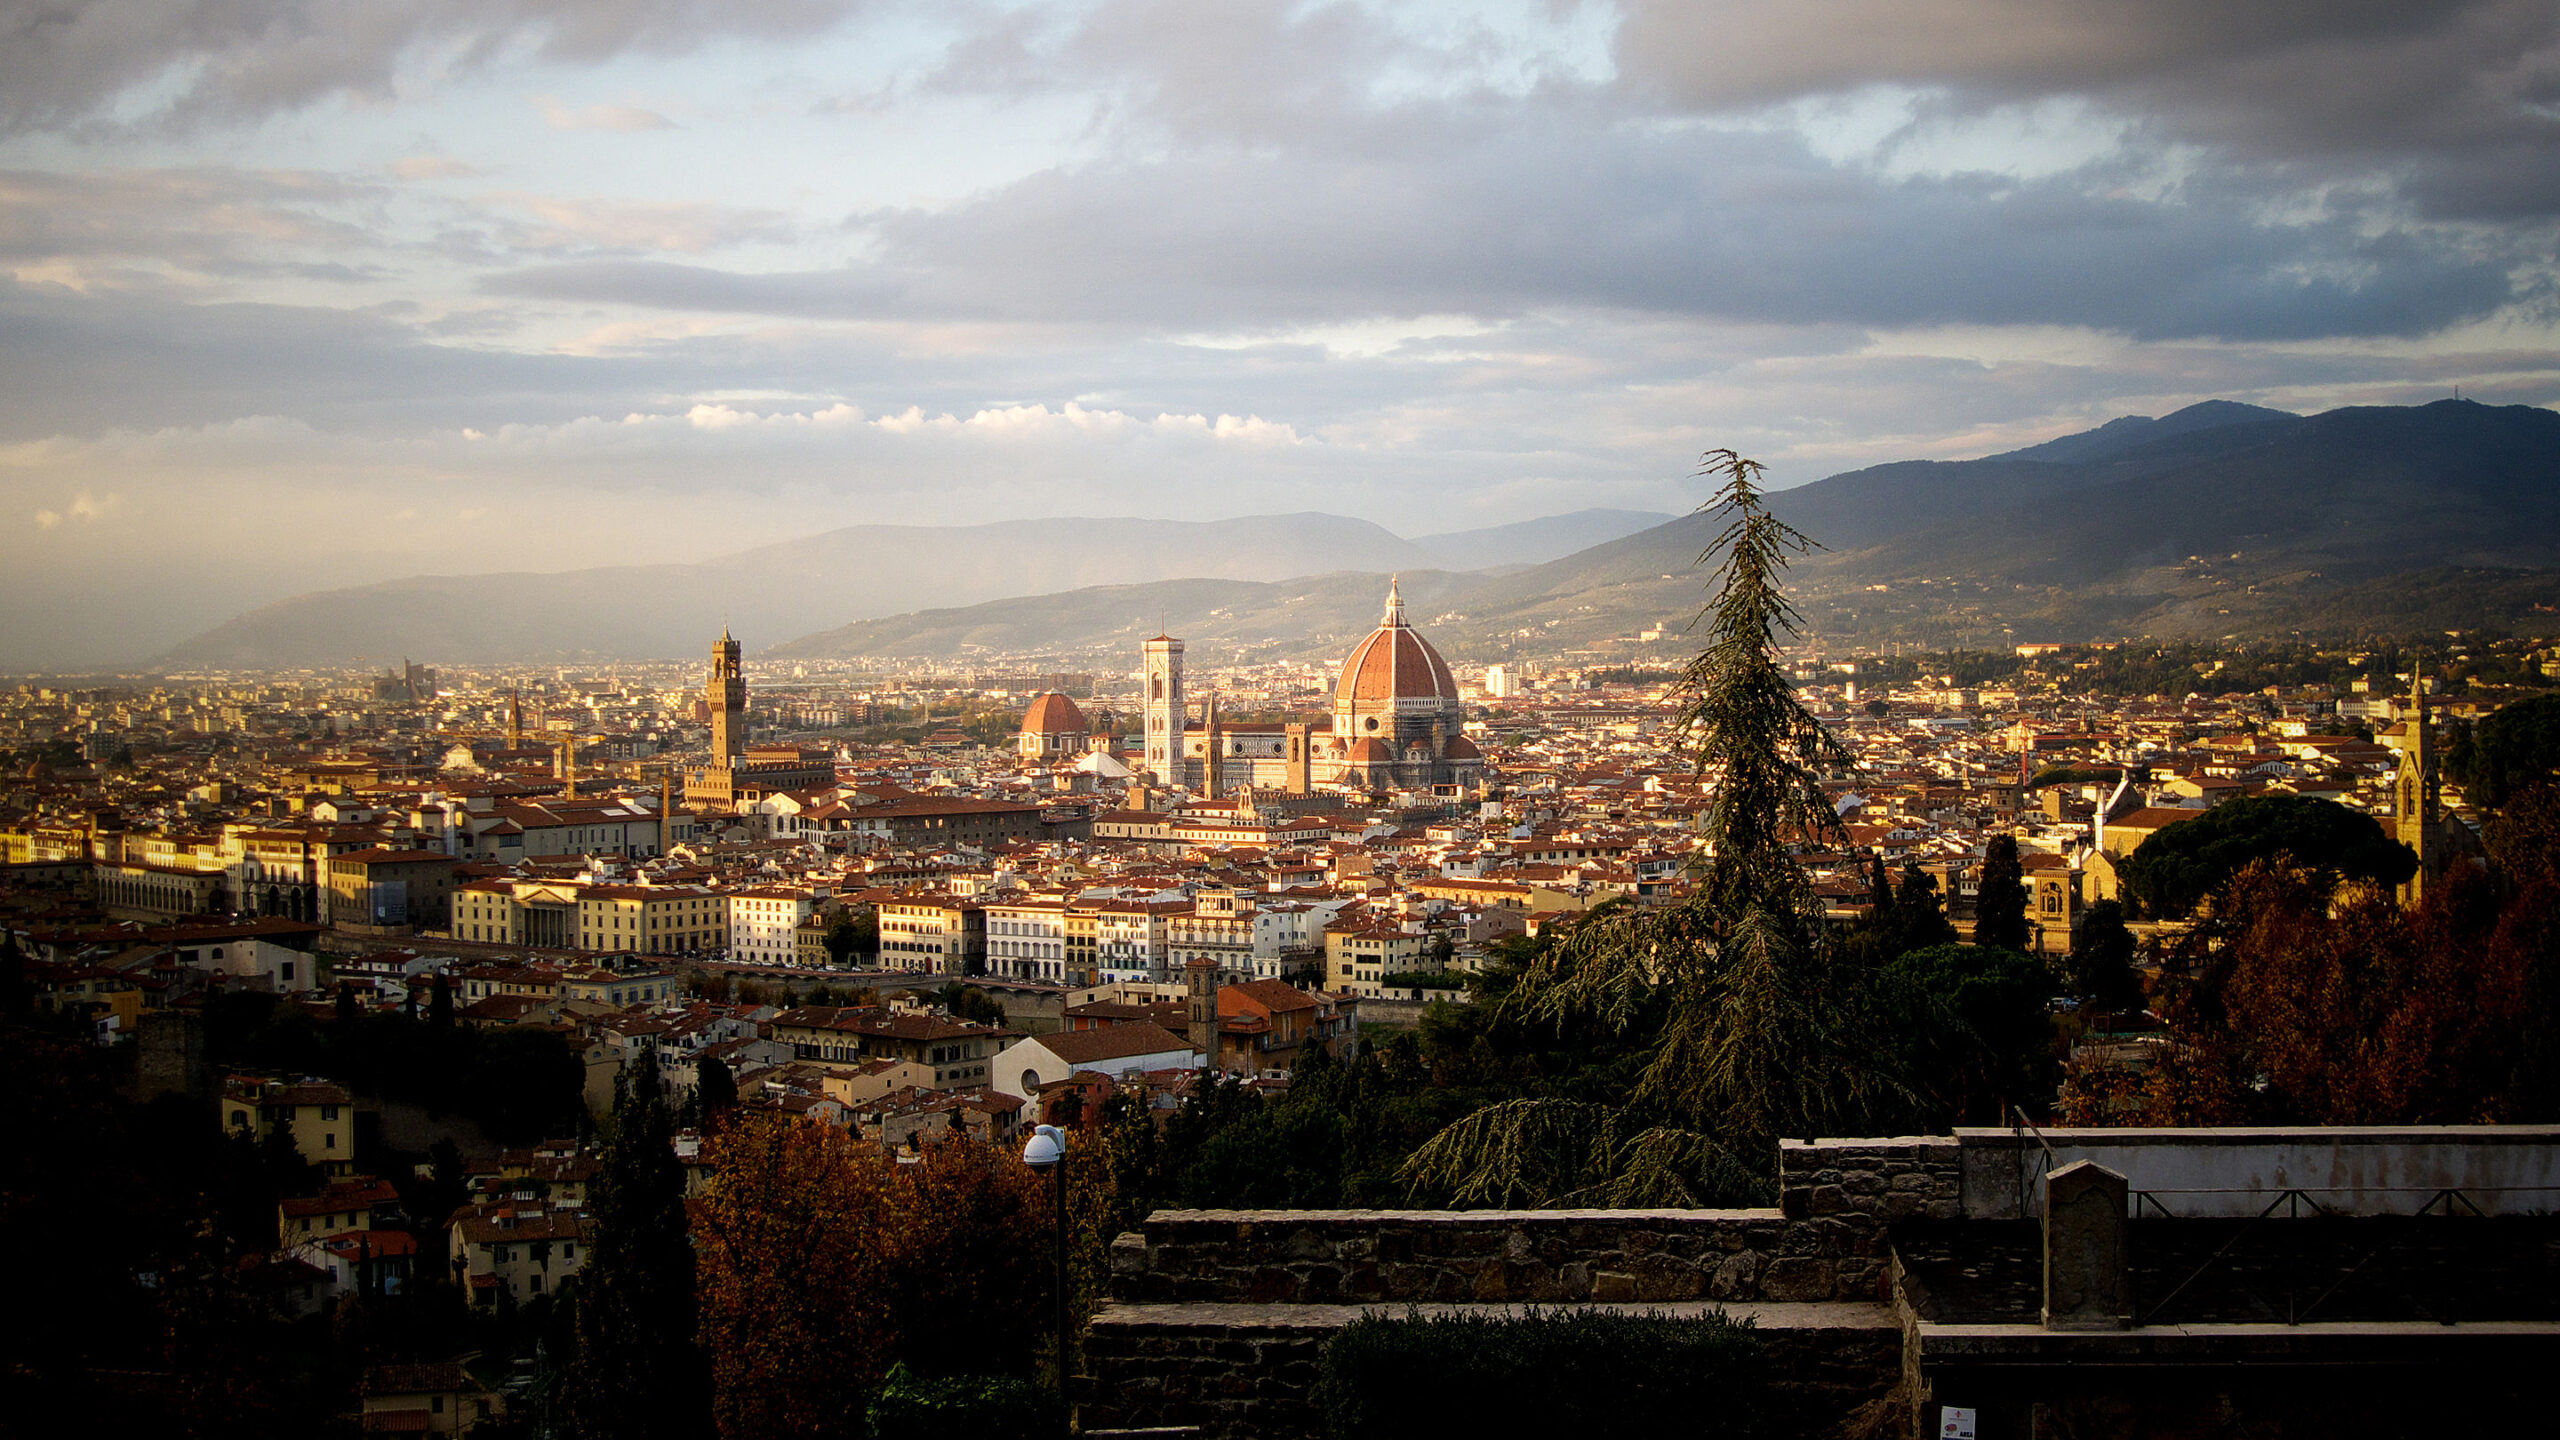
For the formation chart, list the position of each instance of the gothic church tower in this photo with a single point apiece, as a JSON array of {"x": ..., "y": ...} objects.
[
  {"x": 2419, "y": 794},
  {"x": 1163, "y": 709}
]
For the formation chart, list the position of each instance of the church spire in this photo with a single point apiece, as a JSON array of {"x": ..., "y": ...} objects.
[{"x": 1395, "y": 602}]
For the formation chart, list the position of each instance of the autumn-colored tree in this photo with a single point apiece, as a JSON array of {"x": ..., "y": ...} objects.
[
  {"x": 787, "y": 1234},
  {"x": 824, "y": 1262},
  {"x": 2300, "y": 1003}
]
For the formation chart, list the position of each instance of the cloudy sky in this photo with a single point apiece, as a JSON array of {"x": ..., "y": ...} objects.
[{"x": 304, "y": 292}]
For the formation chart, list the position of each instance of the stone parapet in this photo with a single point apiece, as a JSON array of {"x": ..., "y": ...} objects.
[{"x": 1358, "y": 1257}]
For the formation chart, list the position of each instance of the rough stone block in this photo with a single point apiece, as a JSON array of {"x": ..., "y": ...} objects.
[
  {"x": 1738, "y": 1278},
  {"x": 1797, "y": 1278},
  {"x": 1613, "y": 1285}
]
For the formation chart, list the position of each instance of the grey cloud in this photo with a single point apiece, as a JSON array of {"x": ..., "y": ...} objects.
[
  {"x": 1562, "y": 205},
  {"x": 67, "y": 61},
  {"x": 2461, "y": 91},
  {"x": 78, "y": 364},
  {"x": 212, "y": 220}
]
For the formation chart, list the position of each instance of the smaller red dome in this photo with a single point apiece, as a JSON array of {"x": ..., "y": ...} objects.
[
  {"x": 1460, "y": 748},
  {"x": 1370, "y": 752},
  {"x": 1053, "y": 714}
]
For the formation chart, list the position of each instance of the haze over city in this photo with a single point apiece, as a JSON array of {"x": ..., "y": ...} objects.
[{"x": 306, "y": 295}]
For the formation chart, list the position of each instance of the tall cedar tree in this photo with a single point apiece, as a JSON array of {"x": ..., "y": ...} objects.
[
  {"x": 2000, "y": 897},
  {"x": 1765, "y": 1033},
  {"x": 638, "y": 1372}
]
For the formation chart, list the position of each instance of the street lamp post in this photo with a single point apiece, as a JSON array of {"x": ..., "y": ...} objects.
[{"x": 1047, "y": 1150}]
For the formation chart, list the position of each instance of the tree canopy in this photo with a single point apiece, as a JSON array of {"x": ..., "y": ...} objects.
[
  {"x": 2517, "y": 746},
  {"x": 2180, "y": 866}
]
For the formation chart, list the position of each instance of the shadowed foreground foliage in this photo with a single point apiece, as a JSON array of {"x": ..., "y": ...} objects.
[{"x": 1543, "y": 1374}]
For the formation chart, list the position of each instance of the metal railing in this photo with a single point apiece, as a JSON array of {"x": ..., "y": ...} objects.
[{"x": 2389, "y": 1241}]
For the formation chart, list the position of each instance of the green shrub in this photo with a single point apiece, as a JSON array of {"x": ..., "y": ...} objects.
[
  {"x": 981, "y": 1407},
  {"x": 1542, "y": 1373},
  {"x": 1426, "y": 980}
]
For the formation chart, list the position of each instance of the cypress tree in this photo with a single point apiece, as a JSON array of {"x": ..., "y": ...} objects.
[
  {"x": 1917, "y": 913},
  {"x": 717, "y": 1089},
  {"x": 1879, "y": 893},
  {"x": 2102, "y": 960},
  {"x": 636, "y": 1372},
  {"x": 440, "y": 1003},
  {"x": 2000, "y": 899}
]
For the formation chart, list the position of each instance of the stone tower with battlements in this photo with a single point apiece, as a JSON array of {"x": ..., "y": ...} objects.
[{"x": 726, "y": 694}]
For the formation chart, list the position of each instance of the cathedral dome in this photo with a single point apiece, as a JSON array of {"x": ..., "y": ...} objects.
[
  {"x": 1394, "y": 663},
  {"x": 1053, "y": 714}
]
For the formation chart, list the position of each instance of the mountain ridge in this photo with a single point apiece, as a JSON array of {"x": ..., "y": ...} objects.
[{"x": 2274, "y": 517}]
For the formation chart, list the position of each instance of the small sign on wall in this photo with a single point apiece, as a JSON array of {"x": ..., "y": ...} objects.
[{"x": 1955, "y": 1422}]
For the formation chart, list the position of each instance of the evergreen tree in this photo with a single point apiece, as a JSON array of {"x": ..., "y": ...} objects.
[
  {"x": 15, "y": 994},
  {"x": 1879, "y": 893},
  {"x": 1764, "y": 1031},
  {"x": 345, "y": 1013},
  {"x": 2102, "y": 960},
  {"x": 637, "y": 1372},
  {"x": 716, "y": 1089},
  {"x": 2000, "y": 898},
  {"x": 1920, "y": 921},
  {"x": 440, "y": 1003}
]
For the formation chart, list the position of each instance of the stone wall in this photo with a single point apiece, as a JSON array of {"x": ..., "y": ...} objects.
[
  {"x": 1912, "y": 1177},
  {"x": 1357, "y": 1257},
  {"x": 1242, "y": 1372}
]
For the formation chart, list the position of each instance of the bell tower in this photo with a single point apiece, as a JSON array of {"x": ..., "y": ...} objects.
[
  {"x": 1200, "y": 988},
  {"x": 2418, "y": 793},
  {"x": 1163, "y": 709},
  {"x": 726, "y": 694}
]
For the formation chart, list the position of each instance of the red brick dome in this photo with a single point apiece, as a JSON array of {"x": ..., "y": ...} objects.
[
  {"x": 1053, "y": 714},
  {"x": 1394, "y": 663}
]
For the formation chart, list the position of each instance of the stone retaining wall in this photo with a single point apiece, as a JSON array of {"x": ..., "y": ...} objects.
[{"x": 1242, "y": 1372}]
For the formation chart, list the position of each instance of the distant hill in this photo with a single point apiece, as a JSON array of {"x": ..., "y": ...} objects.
[
  {"x": 1220, "y": 621},
  {"x": 2127, "y": 431},
  {"x": 2217, "y": 519},
  {"x": 2220, "y": 519},
  {"x": 777, "y": 591},
  {"x": 1533, "y": 542}
]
